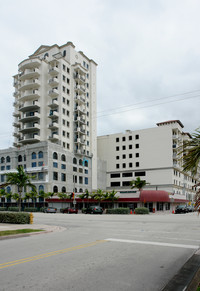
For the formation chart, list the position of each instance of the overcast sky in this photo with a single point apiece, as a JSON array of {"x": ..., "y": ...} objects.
[{"x": 148, "y": 55}]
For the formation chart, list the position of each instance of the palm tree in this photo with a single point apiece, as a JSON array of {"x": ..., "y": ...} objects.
[
  {"x": 83, "y": 196},
  {"x": 2, "y": 194},
  {"x": 33, "y": 195},
  {"x": 99, "y": 195},
  {"x": 21, "y": 180},
  {"x": 190, "y": 152},
  {"x": 138, "y": 183}
]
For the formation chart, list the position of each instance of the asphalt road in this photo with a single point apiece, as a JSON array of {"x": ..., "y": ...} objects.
[{"x": 100, "y": 252}]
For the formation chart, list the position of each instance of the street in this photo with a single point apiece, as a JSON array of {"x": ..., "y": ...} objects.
[{"x": 100, "y": 252}]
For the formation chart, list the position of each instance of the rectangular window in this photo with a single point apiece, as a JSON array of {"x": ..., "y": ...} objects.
[
  {"x": 130, "y": 156},
  {"x": 117, "y": 148},
  {"x": 126, "y": 183},
  {"x": 63, "y": 88},
  {"x": 63, "y": 99},
  {"x": 117, "y": 139},
  {"x": 68, "y": 71},
  {"x": 130, "y": 146},
  {"x": 86, "y": 171},
  {"x": 34, "y": 164},
  {"x": 123, "y": 138},
  {"x": 137, "y": 155},
  {"x": 138, "y": 174},
  {"x": 86, "y": 180},
  {"x": 137, "y": 136},
  {"x": 64, "y": 78},
  {"x": 63, "y": 166},
  {"x": 67, "y": 81},
  {"x": 115, "y": 184},
  {"x": 55, "y": 176},
  {"x": 64, "y": 67},
  {"x": 2, "y": 168},
  {"x": 130, "y": 137},
  {"x": 137, "y": 146},
  {"x": 68, "y": 91},
  {"x": 130, "y": 174},
  {"x": 117, "y": 166},
  {"x": 117, "y": 157},
  {"x": 7, "y": 167},
  {"x": 123, "y": 165},
  {"x": 80, "y": 180},
  {"x": 63, "y": 177},
  {"x": 40, "y": 164},
  {"x": 55, "y": 165},
  {"x": 123, "y": 148},
  {"x": 115, "y": 175},
  {"x": 123, "y": 156},
  {"x": 40, "y": 176},
  {"x": 130, "y": 165},
  {"x": 137, "y": 164}
]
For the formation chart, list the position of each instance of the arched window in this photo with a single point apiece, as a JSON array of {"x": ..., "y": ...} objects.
[
  {"x": 80, "y": 162},
  {"x": 46, "y": 55},
  {"x": 63, "y": 190},
  {"x": 55, "y": 189},
  {"x": 81, "y": 190},
  {"x": 33, "y": 156},
  {"x": 75, "y": 190},
  {"x": 63, "y": 158},
  {"x": 74, "y": 161},
  {"x": 25, "y": 158},
  {"x": 19, "y": 158},
  {"x": 64, "y": 53},
  {"x": 40, "y": 155},
  {"x": 8, "y": 189},
  {"x": 86, "y": 163},
  {"x": 2, "y": 160},
  {"x": 55, "y": 156},
  {"x": 41, "y": 188},
  {"x": 8, "y": 159}
]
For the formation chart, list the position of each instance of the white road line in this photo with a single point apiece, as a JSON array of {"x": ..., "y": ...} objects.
[{"x": 195, "y": 247}]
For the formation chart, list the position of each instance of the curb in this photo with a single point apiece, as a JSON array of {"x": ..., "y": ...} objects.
[{"x": 188, "y": 277}]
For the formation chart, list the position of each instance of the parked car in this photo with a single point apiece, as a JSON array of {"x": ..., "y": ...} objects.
[
  {"x": 190, "y": 208},
  {"x": 94, "y": 209},
  {"x": 50, "y": 210},
  {"x": 69, "y": 210},
  {"x": 181, "y": 209}
]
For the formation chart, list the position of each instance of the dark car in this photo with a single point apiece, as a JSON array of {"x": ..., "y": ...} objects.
[
  {"x": 181, "y": 209},
  {"x": 50, "y": 210},
  {"x": 69, "y": 210},
  {"x": 94, "y": 209},
  {"x": 190, "y": 208}
]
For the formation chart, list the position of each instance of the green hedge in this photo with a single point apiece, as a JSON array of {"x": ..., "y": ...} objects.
[
  {"x": 15, "y": 209},
  {"x": 3, "y": 208},
  {"x": 15, "y": 218},
  {"x": 118, "y": 211},
  {"x": 30, "y": 209},
  {"x": 141, "y": 210}
]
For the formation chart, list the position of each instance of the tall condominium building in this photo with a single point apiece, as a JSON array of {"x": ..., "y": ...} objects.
[
  {"x": 55, "y": 105},
  {"x": 152, "y": 155}
]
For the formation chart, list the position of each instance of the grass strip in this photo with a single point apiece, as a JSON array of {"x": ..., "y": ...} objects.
[{"x": 18, "y": 231}]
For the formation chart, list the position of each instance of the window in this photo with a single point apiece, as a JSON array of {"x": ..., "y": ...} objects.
[
  {"x": 86, "y": 180},
  {"x": 63, "y": 166},
  {"x": 80, "y": 180},
  {"x": 116, "y": 175},
  {"x": 63, "y": 158},
  {"x": 63, "y": 88},
  {"x": 63, "y": 190},
  {"x": 123, "y": 156},
  {"x": 123, "y": 148},
  {"x": 64, "y": 78},
  {"x": 68, "y": 91},
  {"x": 40, "y": 176},
  {"x": 2, "y": 178},
  {"x": 137, "y": 164},
  {"x": 74, "y": 161},
  {"x": 130, "y": 165},
  {"x": 8, "y": 159},
  {"x": 117, "y": 139},
  {"x": 123, "y": 138},
  {"x": 20, "y": 158},
  {"x": 117, "y": 148},
  {"x": 34, "y": 164},
  {"x": 117, "y": 157},
  {"x": 115, "y": 184},
  {"x": 126, "y": 183},
  {"x": 117, "y": 166},
  {"x": 34, "y": 156},
  {"x": 2, "y": 160},
  {"x": 137, "y": 136},
  {"x": 68, "y": 71},
  {"x": 64, "y": 100},
  {"x": 123, "y": 165},
  {"x": 130, "y": 137},
  {"x": 55, "y": 165},
  {"x": 130, "y": 156},
  {"x": 67, "y": 81},
  {"x": 64, "y": 67},
  {"x": 55, "y": 175},
  {"x": 86, "y": 163},
  {"x": 137, "y": 146},
  {"x": 137, "y": 155},
  {"x": 86, "y": 171},
  {"x": 55, "y": 189},
  {"x": 80, "y": 162},
  {"x": 40, "y": 164},
  {"x": 64, "y": 53},
  {"x": 130, "y": 146},
  {"x": 138, "y": 174},
  {"x": 40, "y": 155},
  {"x": 130, "y": 174},
  {"x": 2, "y": 168},
  {"x": 55, "y": 156},
  {"x": 63, "y": 177}
]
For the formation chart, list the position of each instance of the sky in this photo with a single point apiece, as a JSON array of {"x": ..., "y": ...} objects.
[{"x": 147, "y": 51}]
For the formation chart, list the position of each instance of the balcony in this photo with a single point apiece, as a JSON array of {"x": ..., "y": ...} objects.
[
  {"x": 29, "y": 95},
  {"x": 79, "y": 130},
  {"x": 80, "y": 89},
  {"x": 80, "y": 119},
  {"x": 80, "y": 109},
  {"x": 53, "y": 104},
  {"x": 31, "y": 116},
  {"x": 53, "y": 71},
  {"x": 53, "y": 114},
  {"x": 29, "y": 74},
  {"x": 29, "y": 63},
  {"x": 79, "y": 152},
  {"x": 54, "y": 92},
  {"x": 54, "y": 125},
  {"x": 30, "y": 128},
  {"x": 54, "y": 81},
  {"x": 29, "y": 139},
  {"x": 30, "y": 84},
  {"x": 80, "y": 99},
  {"x": 15, "y": 94},
  {"x": 16, "y": 124},
  {"x": 80, "y": 78},
  {"x": 16, "y": 134},
  {"x": 79, "y": 141},
  {"x": 54, "y": 137},
  {"x": 29, "y": 106}
]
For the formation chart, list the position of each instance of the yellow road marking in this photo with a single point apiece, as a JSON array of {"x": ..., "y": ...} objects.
[{"x": 46, "y": 255}]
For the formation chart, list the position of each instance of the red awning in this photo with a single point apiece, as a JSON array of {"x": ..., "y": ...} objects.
[{"x": 154, "y": 196}]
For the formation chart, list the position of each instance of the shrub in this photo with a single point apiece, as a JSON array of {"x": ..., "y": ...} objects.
[
  {"x": 30, "y": 209},
  {"x": 16, "y": 209},
  {"x": 141, "y": 210},
  {"x": 3, "y": 208},
  {"x": 15, "y": 218},
  {"x": 118, "y": 211}
]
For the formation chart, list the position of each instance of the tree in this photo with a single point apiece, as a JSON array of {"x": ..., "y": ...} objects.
[
  {"x": 138, "y": 183},
  {"x": 2, "y": 194},
  {"x": 190, "y": 153},
  {"x": 111, "y": 196},
  {"x": 99, "y": 195},
  {"x": 83, "y": 196},
  {"x": 33, "y": 195},
  {"x": 21, "y": 180}
]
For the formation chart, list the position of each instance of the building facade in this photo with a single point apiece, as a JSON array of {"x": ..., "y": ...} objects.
[
  {"x": 55, "y": 120},
  {"x": 152, "y": 155}
]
